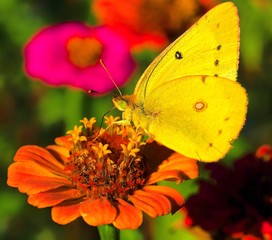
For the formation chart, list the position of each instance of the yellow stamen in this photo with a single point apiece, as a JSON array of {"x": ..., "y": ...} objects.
[
  {"x": 76, "y": 134},
  {"x": 88, "y": 123},
  {"x": 111, "y": 120},
  {"x": 101, "y": 150},
  {"x": 129, "y": 150},
  {"x": 108, "y": 165}
]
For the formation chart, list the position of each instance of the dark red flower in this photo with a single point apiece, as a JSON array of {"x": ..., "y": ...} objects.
[{"x": 237, "y": 199}]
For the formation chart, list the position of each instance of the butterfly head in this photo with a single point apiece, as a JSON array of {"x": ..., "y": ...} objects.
[
  {"x": 123, "y": 104},
  {"x": 120, "y": 103}
]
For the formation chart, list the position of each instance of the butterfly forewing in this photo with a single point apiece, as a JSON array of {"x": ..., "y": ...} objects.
[{"x": 210, "y": 47}]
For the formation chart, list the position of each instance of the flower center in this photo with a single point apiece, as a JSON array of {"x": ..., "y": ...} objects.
[
  {"x": 84, "y": 52},
  {"x": 108, "y": 165}
]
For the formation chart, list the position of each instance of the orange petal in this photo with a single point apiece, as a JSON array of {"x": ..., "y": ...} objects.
[
  {"x": 59, "y": 152},
  {"x": 170, "y": 175},
  {"x": 62, "y": 149},
  {"x": 143, "y": 206},
  {"x": 153, "y": 204},
  {"x": 31, "y": 177},
  {"x": 35, "y": 184},
  {"x": 98, "y": 212},
  {"x": 53, "y": 197},
  {"x": 39, "y": 155},
  {"x": 64, "y": 141},
  {"x": 187, "y": 166},
  {"x": 30, "y": 168},
  {"x": 129, "y": 217},
  {"x": 176, "y": 199},
  {"x": 161, "y": 158},
  {"x": 65, "y": 213}
]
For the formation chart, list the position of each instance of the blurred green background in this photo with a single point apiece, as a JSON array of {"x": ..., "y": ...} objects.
[{"x": 34, "y": 113}]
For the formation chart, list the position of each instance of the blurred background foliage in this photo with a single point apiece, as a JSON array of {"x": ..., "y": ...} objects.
[{"x": 34, "y": 113}]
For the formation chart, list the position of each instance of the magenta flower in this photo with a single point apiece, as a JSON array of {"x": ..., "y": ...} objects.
[{"x": 69, "y": 54}]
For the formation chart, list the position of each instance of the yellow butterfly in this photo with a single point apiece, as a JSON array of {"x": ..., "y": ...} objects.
[{"x": 188, "y": 98}]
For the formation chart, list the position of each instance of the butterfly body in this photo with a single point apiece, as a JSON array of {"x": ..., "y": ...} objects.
[{"x": 188, "y": 98}]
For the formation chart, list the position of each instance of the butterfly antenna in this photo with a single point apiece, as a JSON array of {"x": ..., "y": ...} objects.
[
  {"x": 104, "y": 116},
  {"x": 111, "y": 78},
  {"x": 101, "y": 122}
]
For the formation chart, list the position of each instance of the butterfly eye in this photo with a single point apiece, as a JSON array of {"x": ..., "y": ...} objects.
[{"x": 119, "y": 103}]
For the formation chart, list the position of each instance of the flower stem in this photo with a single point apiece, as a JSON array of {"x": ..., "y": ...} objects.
[{"x": 108, "y": 232}]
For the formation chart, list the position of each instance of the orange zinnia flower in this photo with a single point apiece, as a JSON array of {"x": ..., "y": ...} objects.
[{"x": 104, "y": 176}]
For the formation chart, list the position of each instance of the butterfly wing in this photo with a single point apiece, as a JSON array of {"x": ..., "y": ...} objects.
[
  {"x": 210, "y": 47},
  {"x": 198, "y": 116}
]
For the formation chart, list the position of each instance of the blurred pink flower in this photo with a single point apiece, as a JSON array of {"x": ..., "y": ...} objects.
[{"x": 69, "y": 54}]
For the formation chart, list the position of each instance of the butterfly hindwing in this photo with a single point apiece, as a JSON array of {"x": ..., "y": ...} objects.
[{"x": 203, "y": 117}]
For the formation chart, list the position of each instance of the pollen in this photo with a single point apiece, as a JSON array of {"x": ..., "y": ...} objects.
[{"x": 106, "y": 162}]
